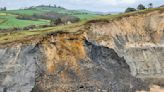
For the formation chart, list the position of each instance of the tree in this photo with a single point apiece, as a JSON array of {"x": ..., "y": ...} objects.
[
  {"x": 150, "y": 5},
  {"x": 3, "y": 9},
  {"x": 141, "y": 7},
  {"x": 49, "y": 5},
  {"x": 55, "y": 6},
  {"x": 130, "y": 9},
  {"x": 56, "y": 21},
  {"x": 162, "y": 6}
]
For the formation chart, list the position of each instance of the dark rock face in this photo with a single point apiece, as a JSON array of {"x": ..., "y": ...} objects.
[
  {"x": 113, "y": 71},
  {"x": 17, "y": 69}
]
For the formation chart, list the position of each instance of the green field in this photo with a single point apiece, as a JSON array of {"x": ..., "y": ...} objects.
[
  {"x": 8, "y": 18},
  {"x": 10, "y": 21}
]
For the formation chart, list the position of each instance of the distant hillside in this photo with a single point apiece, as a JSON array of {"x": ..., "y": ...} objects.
[
  {"x": 25, "y": 17},
  {"x": 43, "y": 9}
]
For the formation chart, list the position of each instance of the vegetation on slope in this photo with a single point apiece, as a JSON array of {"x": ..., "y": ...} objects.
[
  {"x": 25, "y": 36},
  {"x": 119, "y": 16}
]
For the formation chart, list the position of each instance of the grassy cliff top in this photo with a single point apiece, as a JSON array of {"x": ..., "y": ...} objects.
[{"x": 25, "y": 36}]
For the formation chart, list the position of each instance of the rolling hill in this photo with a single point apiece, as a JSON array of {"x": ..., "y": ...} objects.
[{"x": 8, "y": 19}]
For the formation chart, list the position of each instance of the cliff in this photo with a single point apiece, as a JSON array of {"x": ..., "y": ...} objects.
[
  {"x": 119, "y": 55},
  {"x": 138, "y": 38}
]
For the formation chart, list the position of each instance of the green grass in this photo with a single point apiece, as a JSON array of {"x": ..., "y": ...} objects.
[
  {"x": 10, "y": 21},
  {"x": 85, "y": 16},
  {"x": 9, "y": 37}
]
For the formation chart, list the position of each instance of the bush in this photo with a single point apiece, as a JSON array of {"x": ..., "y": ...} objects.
[
  {"x": 3, "y": 9},
  {"x": 57, "y": 18},
  {"x": 130, "y": 9},
  {"x": 69, "y": 19},
  {"x": 26, "y": 17},
  {"x": 56, "y": 21},
  {"x": 150, "y": 5},
  {"x": 141, "y": 7}
]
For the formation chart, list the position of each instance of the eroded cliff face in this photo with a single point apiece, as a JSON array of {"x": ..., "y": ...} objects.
[
  {"x": 138, "y": 38},
  {"x": 124, "y": 55},
  {"x": 66, "y": 62},
  {"x": 74, "y": 64},
  {"x": 17, "y": 68}
]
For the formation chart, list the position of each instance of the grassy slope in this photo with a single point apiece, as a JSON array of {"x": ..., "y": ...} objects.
[
  {"x": 118, "y": 16},
  {"x": 22, "y": 35}
]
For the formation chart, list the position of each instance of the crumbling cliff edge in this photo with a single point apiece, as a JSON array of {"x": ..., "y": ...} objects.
[{"x": 123, "y": 55}]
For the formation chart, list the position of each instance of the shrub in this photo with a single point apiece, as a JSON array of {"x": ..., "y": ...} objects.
[
  {"x": 130, "y": 9},
  {"x": 150, "y": 5},
  {"x": 56, "y": 21},
  {"x": 26, "y": 17},
  {"x": 141, "y": 7},
  {"x": 57, "y": 18}
]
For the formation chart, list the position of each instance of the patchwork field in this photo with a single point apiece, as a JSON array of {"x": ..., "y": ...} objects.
[{"x": 8, "y": 19}]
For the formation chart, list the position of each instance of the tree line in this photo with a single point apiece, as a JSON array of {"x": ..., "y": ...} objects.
[
  {"x": 3, "y": 9},
  {"x": 55, "y": 18}
]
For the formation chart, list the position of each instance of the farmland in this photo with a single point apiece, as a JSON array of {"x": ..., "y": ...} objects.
[{"x": 8, "y": 19}]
